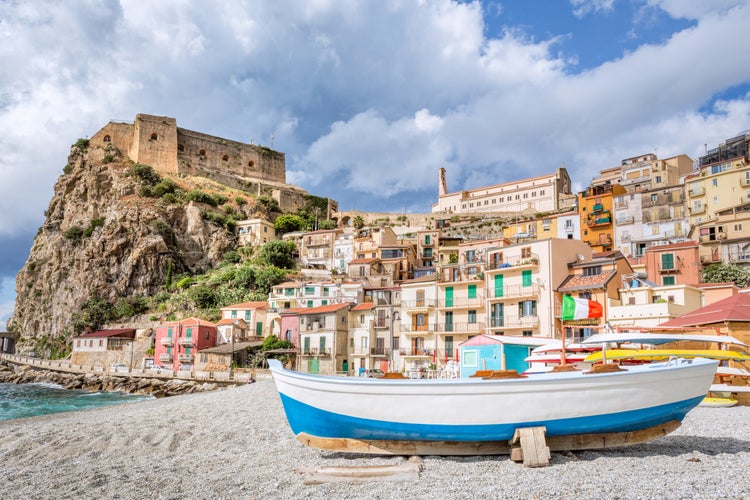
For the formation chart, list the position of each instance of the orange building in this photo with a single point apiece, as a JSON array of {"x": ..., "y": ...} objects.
[
  {"x": 595, "y": 208},
  {"x": 675, "y": 264}
]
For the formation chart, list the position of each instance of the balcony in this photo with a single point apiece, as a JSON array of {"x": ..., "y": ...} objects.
[
  {"x": 415, "y": 352},
  {"x": 315, "y": 351},
  {"x": 668, "y": 270},
  {"x": 569, "y": 229},
  {"x": 745, "y": 181},
  {"x": 530, "y": 260},
  {"x": 165, "y": 357},
  {"x": 514, "y": 292},
  {"x": 600, "y": 220},
  {"x": 697, "y": 209},
  {"x": 739, "y": 256},
  {"x": 696, "y": 191},
  {"x": 626, "y": 220},
  {"x": 412, "y": 329},
  {"x": 380, "y": 351},
  {"x": 188, "y": 341},
  {"x": 167, "y": 341},
  {"x": 461, "y": 303},
  {"x": 710, "y": 259},
  {"x": 316, "y": 242},
  {"x": 598, "y": 207},
  {"x": 444, "y": 328},
  {"x": 185, "y": 358},
  {"x": 621, "y": 205},
  {"x": 417, "y": 305},
  {"x": 514, "y": 322}
]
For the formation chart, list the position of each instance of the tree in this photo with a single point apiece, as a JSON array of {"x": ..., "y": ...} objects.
[
  {"x": 288, "y": 223},
  {"x": 267, "y": 277},
  {"x": 278, "y": 253},
  {"x": 724, "y": 273},
  {"x": 358, "y": 222}
]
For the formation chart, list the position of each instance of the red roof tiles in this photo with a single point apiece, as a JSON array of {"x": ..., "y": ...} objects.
[{"x": 734, "y": 308}]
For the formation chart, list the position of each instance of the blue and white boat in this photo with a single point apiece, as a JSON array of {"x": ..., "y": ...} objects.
[{"x": 342, "y": 413}]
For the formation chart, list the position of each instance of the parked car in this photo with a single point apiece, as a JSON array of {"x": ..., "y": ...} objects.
[
  {"x": 374, "y": 373},
  {"x": 119, "y": 367},
  {"x": 156, "y": 367}
]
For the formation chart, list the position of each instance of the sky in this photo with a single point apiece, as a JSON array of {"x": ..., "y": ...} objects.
[{"x": 369, "y": 98}]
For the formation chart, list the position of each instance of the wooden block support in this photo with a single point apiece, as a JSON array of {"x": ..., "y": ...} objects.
[{"x": 533, "y": 450}]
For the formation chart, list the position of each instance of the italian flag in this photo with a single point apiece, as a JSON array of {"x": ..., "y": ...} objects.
[{"x": 580, "y": 308}]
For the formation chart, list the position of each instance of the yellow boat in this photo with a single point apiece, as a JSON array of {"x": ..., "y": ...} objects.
[
  {"x": 656, "y": 354},
  {"x": 713, "y": 402}
]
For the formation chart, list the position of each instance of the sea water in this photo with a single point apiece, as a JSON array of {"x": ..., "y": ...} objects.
[{"x": 29, "y": 400}]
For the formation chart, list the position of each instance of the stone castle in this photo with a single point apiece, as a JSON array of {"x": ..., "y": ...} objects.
[{"x": 158, "y": 141}]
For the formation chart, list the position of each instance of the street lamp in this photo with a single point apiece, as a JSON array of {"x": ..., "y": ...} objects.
[{"x": 231, "y": 355}]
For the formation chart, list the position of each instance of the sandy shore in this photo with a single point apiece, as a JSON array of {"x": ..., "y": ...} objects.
[{"x": 235, "y": 443}]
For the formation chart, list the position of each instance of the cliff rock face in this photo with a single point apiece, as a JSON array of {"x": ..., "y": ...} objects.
[{"x": 101, "y": 237}]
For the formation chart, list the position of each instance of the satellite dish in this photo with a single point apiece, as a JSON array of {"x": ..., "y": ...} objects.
[{"x": 580, "y": 256}]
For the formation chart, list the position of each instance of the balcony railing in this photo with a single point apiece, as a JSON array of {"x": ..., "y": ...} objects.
[
  {"x": 316, "y": 351},
  {"x": 417, "y": 352},
  {"x": 461, "y": 303},
  {"x": 418, "y": 304},
  {"x": 514, "y": 321},
  {"x": 514, "y": 291},
  {"x": 531, "y": 259},
  {"x": 409, "y": 328},
  {"x": 739, "y": 256},
  {"x": 167, "y": 341},
  {"x": 460, "y": 327},
  {"x": 626, "y": 220},
  {"x": 186, "y": 341},
  {"x": 185, "y": 358},
  {"x": 696, "y": 191},
  {"x": 165, "y": 357},
  {"x": 380, "y": 351},
  {"x": 710, "y": 258},
  {"x": 697, "y": 209}
]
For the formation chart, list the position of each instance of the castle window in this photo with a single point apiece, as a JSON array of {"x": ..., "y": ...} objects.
[
  {"x": 107, "y": 138},
  {"x": 202, "y": 152},
  {"x": 154, "y": 136},
  {"x": 225, "y": 157},
  {"x": 180, "y": 148},
  {"x": 251, "y": 164}
]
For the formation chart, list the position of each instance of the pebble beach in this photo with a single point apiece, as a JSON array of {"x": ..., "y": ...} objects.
[{"x": 235, "y": 443}]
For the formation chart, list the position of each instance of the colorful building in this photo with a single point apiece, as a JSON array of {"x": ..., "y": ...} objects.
[{"x": 177, "y": 343}]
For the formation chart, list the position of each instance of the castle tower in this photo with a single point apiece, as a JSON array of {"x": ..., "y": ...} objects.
[
  {"x": 155, "y": 142},
  {"x": 442, "y": 185}
]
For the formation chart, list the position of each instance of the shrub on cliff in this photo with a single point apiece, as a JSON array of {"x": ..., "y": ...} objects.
[
  {"x": 145, "y": 173},
  {"x": 278, "y": 253},
  {"x": 198, "y": 196}
]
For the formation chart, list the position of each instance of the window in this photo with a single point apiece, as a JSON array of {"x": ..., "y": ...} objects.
[
  {"x": 420, "y": 298},
  {"x": 714, "y": 182},
  {"x": 247, "y": 315},
  {"x": 449, "y": 346},
  {"x": 202, "y": 152},
  {"x": 667, "y": 280},
  {"x": 526, "y": 252},
  {"x": 592, "y": 271},
  {"x": 631, "y": 301},
  {"x": 498, "y": 285},
  {"x": 225, "y": 157},
  {"x": 527, "y": 333},
  {"x": 472, "y": 316},
  {"x": 234, "y": 314},
  {"x": 472, "y": 291},
  {"x": 657, "y": 179},
  {"x": 426, "y": 239},
  {"x": 527, "y": 308},
  {"x": 309, "y": 290},
  {"x": 154, "y": 136},
  {"x": 189, "y": 333},
  {"x": 470, "y": 357},
  {"x": 322, "y": 344},
  {"x": 654, "y": 198}
]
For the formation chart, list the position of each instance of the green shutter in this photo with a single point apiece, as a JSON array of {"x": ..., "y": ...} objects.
[
  {"x": 472, "y": 291},
  {"x": 247, "y": 315},
  {"x": 668, "y": 280},
  {"x": 526, "y": 277},
  {"x": 667, "y": 261},
  {"x": 498, "y": 285},
  {"x": 258, "y": 329},
  {"x": 449, "y": 296},
  {"x": 189, "y": 333}
]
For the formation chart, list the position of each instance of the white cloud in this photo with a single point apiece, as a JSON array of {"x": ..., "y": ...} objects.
[
  {"x": 585, "y": 7},
  {"x": 695, "y": 9}
]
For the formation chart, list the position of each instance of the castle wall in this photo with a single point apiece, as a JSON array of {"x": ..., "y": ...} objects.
[
  {"x": 155, "y": 142},
  {"x": 120, "y": 135},
  {"x": 198, "y": 151}
]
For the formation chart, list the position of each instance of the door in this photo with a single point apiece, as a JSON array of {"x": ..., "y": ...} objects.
[
  {"x": 449, "y": 321},
  {"x": 498, "y": 285},
  {"x": 449, "y": 296}
]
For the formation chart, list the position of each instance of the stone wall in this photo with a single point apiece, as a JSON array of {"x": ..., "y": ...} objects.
[{"x": 155, "y": 142}]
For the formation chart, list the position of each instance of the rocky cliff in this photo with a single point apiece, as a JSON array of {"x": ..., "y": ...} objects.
[{"x": 102, "y": 236}]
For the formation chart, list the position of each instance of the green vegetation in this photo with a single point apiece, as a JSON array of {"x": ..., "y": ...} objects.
[
  {"x": 198, "y": 196},
  {"x": 96, "y": 311},
  {"x": 82, "y": 144},
  {"x": 270, "y": 204},
  {"x": 724, "y": 273},
  {"x": 278, "y": 253},
  {"x": 74, "y": 234},
  {"x": 358, "y": 222},
  {"x": 97, "y": 222},
  {"x": 288, "y": 223},
  {"x": 145, "y": 173}
]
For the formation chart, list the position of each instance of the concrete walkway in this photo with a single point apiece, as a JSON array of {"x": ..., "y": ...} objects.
[{"x": 67, "y": 367}]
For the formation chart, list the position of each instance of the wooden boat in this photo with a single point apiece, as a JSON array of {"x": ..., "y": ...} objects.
[{"x": 475, "y": 416}]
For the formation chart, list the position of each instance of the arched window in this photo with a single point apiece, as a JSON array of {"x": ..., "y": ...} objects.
[
  {"x": 107, "y": 138},
  {"x": 225, "y": 157},
  {"x": 202, "y": 152},
  {"x": 251, "y": 164},
  {"x": 154, "y": 136},
  {"x": 180, "y": 148}
]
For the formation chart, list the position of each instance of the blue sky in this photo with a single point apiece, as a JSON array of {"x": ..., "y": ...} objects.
[{"x": 369, "y": 98}]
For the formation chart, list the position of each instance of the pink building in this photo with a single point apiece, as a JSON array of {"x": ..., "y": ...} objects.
[
  {"x": 289, "y": 329},
  {"x": 178, "y": 342},
  {"x": 675, "y": 264}
]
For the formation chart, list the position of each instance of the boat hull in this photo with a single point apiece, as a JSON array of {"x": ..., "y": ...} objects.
[{"x": 475, "y": 410}]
